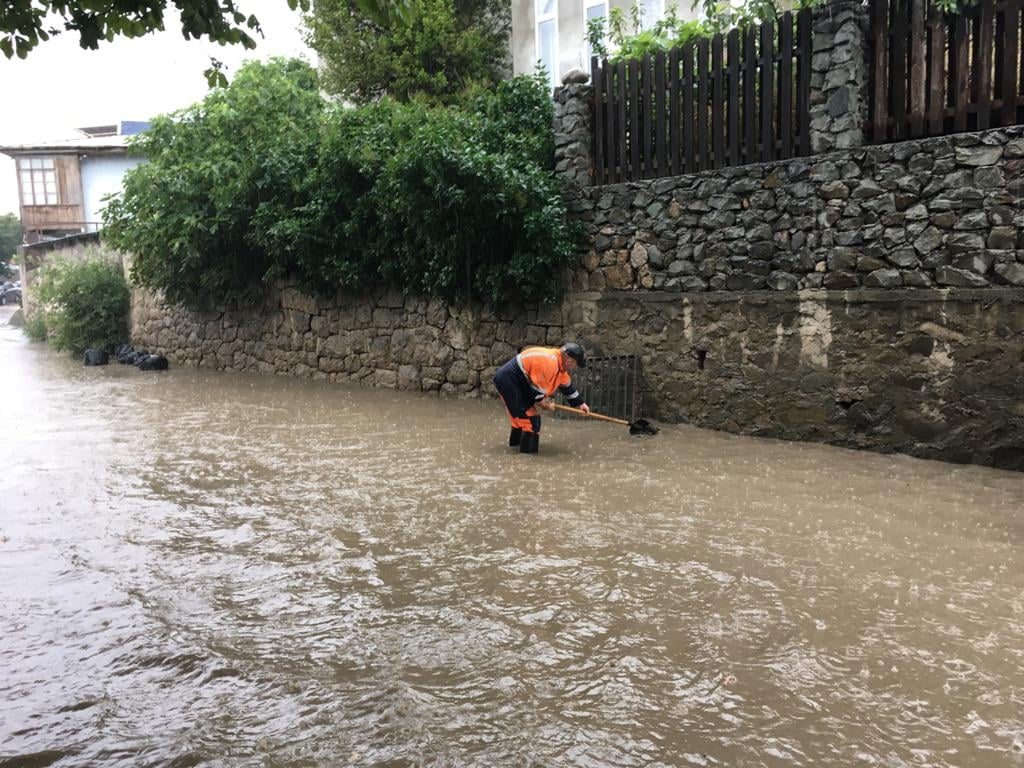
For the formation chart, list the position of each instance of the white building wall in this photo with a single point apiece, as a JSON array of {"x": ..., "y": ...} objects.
[{"x": 101, "y": 176}]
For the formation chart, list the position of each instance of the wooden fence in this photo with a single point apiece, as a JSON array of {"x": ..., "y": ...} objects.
[
  {"x": 732, "y": 100},
  {"x": 934, "y": 73}
]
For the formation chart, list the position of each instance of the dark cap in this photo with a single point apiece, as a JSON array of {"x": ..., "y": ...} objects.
[{"x": 575, "y": 351}]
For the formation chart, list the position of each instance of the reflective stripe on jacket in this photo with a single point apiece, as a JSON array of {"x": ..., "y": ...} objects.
[{"x": 542, "y": 367}]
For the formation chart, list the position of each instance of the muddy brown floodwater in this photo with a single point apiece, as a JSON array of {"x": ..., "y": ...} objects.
[{"x": 201, "y": 568}]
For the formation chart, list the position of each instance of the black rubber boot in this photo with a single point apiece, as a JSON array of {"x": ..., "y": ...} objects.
[
  {"x": 514, "y": 437},
  {"x": 529, "y": 442}
]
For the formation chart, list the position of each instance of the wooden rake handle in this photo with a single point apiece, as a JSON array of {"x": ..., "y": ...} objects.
[{"x": 598, "y": 416}]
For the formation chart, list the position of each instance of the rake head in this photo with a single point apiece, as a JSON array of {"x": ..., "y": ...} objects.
[{"x": 642, "y": 427}]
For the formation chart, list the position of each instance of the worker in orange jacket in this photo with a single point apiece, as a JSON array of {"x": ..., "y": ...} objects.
[{"x": 529, "y": 380}]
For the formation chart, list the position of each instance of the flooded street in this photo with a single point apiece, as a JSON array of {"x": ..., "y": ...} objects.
[{"x": 202, "y": 568}]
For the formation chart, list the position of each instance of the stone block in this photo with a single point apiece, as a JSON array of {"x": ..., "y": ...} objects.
[
  {"x": 681, "y": 267},
  {"x": 835, "y": 281},
  {"x": 916, "y": 279},
  {"x": 930, "y": 239},
  {"x": 964, "y": 242},
  {"x": 867, "y": 263},
  {"x": 972, "y": 220},
  {"x": 741, "y": 281},
  {"x": 688, "y": 283},
  {"x": 1009, "y": 274},
  {"x": 903, "y": 257},
  {"x": 618, "y": 277},
  {"x": 833, "y": 190},
  {"x": 960, "y": 278},
  {"x": 883, "y": 278},
  {"x": 1002, "y": 238},
  {"x": 782, "y": 281},
  {"x": 638, "y": 256},
  {"x": 977, "y": 261},
  {"x": 979, "y": 155}
]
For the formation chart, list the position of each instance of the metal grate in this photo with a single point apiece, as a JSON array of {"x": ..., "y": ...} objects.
[{"x": 611, "y": 385}]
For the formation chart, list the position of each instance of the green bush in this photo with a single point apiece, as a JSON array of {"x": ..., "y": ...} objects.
[
  {"x": 453, "y": 203},
  {"x": 35, "y": 326},
  {"x": 82, "y": 304},
  {"x": 187, "y": 214},
  {"x": 450, "y": 202}
]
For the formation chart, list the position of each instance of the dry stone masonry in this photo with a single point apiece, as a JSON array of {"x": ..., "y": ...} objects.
[
  {"x": 940, "y": 212},
  {"x": 839, "y": 75},
  {"x": 384, "y": 339}
]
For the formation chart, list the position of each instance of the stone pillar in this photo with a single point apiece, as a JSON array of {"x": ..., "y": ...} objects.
[
  {"x": 839, "y": 75},
  {"x": 572, "y": 130}
]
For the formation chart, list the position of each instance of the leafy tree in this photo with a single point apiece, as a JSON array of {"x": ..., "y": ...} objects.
[
  {"x": 24, "y": 23},
  {"x": 448, "y": 202},
  {"x": 447, "y": 46},
  {"x": 188, "y": 213},
  {"x": 10, "y": 239},
  {"x": 264, "y": 180}
]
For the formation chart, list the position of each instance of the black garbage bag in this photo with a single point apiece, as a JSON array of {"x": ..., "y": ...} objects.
[
  {"x": 96, "y": 357},
  {"x": 153, "y": 363},
  {"x": 125, "y": 354}
]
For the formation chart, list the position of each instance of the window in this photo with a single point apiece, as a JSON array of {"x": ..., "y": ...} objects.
[
  {"x": 38, "y": 181},
  {"x": 594, "y": 9},
  {"x": 650, "y": 12},
  {"x": 547, "y": 38}
]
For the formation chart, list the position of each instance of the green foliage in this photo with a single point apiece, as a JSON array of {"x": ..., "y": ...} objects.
[
  {"x": 629, "y": 41},
  {"x": 446, "y": 47},
  {"x": 389, "y": 12},
  {"x": 24, "y": 24},
  {"x": 10, "y": 239},
  {"x": 187, "y": 214},
  {"x": 450, "y": 202},
  {"x": 621, "y": 39},
  {"x": 438, "y": 201},
  {"x": 35, "y": 327},
  {"x": 83, "y": 304}
]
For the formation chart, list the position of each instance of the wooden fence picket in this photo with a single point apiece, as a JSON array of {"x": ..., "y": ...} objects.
[
  {"x": 722, "y": 101},
  {"x": 934, "y": 73}
]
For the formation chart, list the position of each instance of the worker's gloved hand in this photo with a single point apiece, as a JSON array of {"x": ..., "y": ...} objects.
[
  {"x": 585, "y": 408},
  {"x": 547, "y": 404}
]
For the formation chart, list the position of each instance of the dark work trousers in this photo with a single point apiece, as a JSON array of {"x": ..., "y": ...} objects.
[{"x": 519, "y": 396}]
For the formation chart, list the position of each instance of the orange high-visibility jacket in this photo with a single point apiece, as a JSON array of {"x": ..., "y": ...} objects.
[{"x": 542, "y": 367}]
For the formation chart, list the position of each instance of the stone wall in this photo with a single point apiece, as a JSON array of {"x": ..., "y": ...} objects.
[
  {"x": 383, "y": 339},
  {"x": 935, "y": 212},
  {"x": 933, "y": 373}
]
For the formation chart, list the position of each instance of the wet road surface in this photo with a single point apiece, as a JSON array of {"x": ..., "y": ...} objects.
[{"x": 201, "y": 568}]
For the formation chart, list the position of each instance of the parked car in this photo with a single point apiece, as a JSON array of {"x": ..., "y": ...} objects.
[{"x": 10, "y": 294}]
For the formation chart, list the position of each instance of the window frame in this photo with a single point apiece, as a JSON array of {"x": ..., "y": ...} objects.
[
  {"x": 37, "y": 181},
  {"x": 539, "y": 19}
]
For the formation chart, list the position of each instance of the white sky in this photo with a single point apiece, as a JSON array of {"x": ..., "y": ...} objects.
[{"x": 61, "y": 87}]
